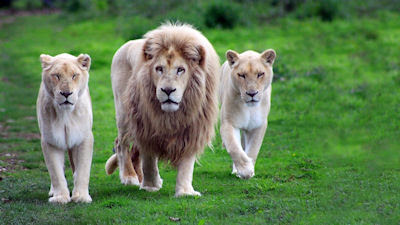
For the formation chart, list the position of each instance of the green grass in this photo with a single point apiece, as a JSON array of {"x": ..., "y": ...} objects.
[{"x": 330, "y": 154}]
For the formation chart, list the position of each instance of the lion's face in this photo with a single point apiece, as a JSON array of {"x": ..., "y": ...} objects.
[
  {"x": 170, "y": 77},
  {"x": 251, "y": 73},
  {"x": 65, "y": 78}
]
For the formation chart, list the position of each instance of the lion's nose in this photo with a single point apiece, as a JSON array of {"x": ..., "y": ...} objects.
[
  {"x": 66, "y": 93},
  {"x": 251, "y": 93},
  {"x": 168, "y": 91}
]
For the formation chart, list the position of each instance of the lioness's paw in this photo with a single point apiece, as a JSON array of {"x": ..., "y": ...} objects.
[
  {"x": 245, "y": 170},
  {"x": 60, "y": 199},
  {"x": 85, "y": 198},
  {"x": 130, "y": 180},
  {"x": 181, "y": 193},
  {"x": 51, "y": 192},
  {"x": 234, "y": 170}
]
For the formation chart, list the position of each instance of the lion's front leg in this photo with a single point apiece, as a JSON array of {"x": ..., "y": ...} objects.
[
  {"x": 54, "y": 159},
  {"x": 127, "y": 172},
  {"x": 151, "y": 176},
  {"x": 82, "y": 157},
  {"x": 243, "y": 165},
  {"x": 184, "y": 178}
]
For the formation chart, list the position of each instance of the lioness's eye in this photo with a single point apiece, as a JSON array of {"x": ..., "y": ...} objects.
[
  {"x": 242, "y": 76},
  {"x": 74, "y": 76},
  {"x": 260, "y": 75},
  {"x": 57, "y": 76},
  {"x": 180, "y": 71},
  {"x": 159, "y": 70}
]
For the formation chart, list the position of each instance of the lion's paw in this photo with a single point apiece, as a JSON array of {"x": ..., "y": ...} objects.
[
  {"x": 60, "y": 199},
  {"x": 85, "y": 198},
  {"x": 130, "y": 180},
  {"x": 150, "y": 189},
  {"x": 183, "y": 192},
  {"x": 245, "y": 170},
  {"x": 152, "y": 186}
]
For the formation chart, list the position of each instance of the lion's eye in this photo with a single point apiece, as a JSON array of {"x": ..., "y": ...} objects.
[
  {"x": 180, "y": 71},
  {"x": 260, "y": 75},
  {"x": 242, "y": 76},
  {"x": 74, "y": 76},
  {"x": 159, "y": 70},
  {"x": 57, "y": 76}
]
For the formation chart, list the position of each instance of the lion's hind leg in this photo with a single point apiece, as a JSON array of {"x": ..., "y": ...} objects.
[{"x": 127, "y": 172}]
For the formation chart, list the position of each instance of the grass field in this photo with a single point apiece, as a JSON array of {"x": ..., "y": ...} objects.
[{"x": 330, "y": 155}]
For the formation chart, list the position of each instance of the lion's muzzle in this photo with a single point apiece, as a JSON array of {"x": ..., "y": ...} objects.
[{"x": 169, "y": 99}]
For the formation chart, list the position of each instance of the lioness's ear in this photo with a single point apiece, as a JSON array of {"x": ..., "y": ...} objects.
[
  {"x": 232, "y": 57},
  {"x": 84, "y": 61},
  {"x": 268, "y": 56},
  {"x": 46, "y": 61}
]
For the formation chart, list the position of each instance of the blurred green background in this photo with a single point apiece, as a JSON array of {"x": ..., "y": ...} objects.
[{"x": 330, "y": 154}]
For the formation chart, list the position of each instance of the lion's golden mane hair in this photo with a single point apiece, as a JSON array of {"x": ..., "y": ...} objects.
[{"x": 175, "y": 135}]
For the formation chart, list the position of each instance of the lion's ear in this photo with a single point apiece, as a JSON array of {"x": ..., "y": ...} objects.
[
  {"x": 196, "y": 54},
  {"x": 268, "y": 56},
  {"x": 200, "y": 56},
  {"x": 147, "y": 50},
  {"x": 84, "y": 61},
  {"x": 232, "y": 57},
  {"x": 46, "y": 61}
]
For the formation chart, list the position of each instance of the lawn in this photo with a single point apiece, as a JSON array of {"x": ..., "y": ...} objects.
[{"x": 330, "y": 155}]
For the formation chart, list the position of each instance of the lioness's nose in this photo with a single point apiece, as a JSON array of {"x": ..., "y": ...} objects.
[
  {"x": 65, "y": 94},
  {"x": 168, "y": 91},
  {"x": 251, "y": 93}
]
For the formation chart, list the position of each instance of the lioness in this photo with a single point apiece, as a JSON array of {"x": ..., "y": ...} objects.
[
  {"x": 64, "y": 113},
  {"x": 245, "y": 97},
  {"x": 165, "y": 93}
]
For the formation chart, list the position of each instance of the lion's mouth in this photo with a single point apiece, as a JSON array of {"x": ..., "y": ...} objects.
[
  {"x": 169, "y": 101},
  {"x": 66, "y": 103},
  {"x": 252, "y": 101}
]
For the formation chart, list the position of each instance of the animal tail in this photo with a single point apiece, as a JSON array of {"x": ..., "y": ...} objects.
[{"x": 111, "y": 164}]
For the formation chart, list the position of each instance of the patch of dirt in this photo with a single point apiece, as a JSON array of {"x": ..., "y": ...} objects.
[
  {"x": 5, "y": 134},
  {"x": 9, "y": 163}
]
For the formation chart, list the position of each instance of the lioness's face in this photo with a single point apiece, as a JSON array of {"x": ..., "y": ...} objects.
[
  {"x": 170, "y": 76},
  {"x": 65, "y": 78},
  {"x": 251, "y": 73}
]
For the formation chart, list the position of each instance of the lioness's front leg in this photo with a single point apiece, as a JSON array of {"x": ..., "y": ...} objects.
[
  {"x": 127, "y": 173},
  {"x": 151, "y": 177},
  {"x": 54, "y": 159},
  {"x": 82, "y": 156},
  {"x": 254, "y": 139},
  {"x": 242, "y": 163},
  {"x": 184, "y": 178}
]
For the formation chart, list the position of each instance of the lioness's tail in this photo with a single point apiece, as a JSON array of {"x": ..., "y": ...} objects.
[{"x": 111, "y": 164}]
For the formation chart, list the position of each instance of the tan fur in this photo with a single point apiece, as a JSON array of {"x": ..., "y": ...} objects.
[
  {"x": 169, "y": 131},
  {"x": 64, "y": 113},
  {"x": 245, "y": 97}
]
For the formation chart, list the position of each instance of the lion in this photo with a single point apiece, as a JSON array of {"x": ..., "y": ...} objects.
[
  {"x": 165, "y": 93},
  {"x": 64, "y": 112},
  {"x": 245, "y": 97}
]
